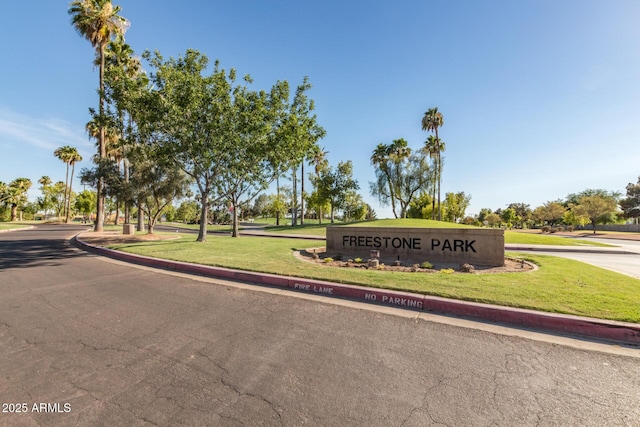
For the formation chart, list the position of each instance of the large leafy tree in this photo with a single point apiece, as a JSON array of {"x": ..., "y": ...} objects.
[
  {"x": 58, "y": 197},
  {"x": 508, "y": 217},
  {"x": 185, "y": 116},
  {"x": 335, "y": 184},
  {"x": 232, "y": 141},
  {"x": 354, "y": 207},
  {"x": 157, "y": 185},
  {"x": 420, "y": 206},
  {"x": 46, "y": 201},
  {"x": 431, "y": 122},
  {"x": 187, "y": 211},
  {"x": 400, "y": 175},
  {"x": 85, "y": 203},
  {"x": 551, "y": 213},
  {"x": 99, "y": 22},
  {"x": 456, "y": 205},
  {"x": 598, "y": 206},
  {"x": 523, "y": 213},
  {"x": 631, "y": 204},
  {"x": 245, "y": 170},
  {"x": 303, "y": 133}
]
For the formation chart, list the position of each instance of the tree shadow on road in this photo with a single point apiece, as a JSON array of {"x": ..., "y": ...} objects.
[{"x": 31, "y": 252}]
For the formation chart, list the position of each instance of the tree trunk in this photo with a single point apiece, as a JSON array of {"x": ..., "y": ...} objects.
[
  {"x": 392, "y": 194},
  {"x": 73, "y": 168},
  {"x": 127, "y": 204},
  {"x": 14, "y": 212},
  {"x": 151, "y": 225},
  {"x": 140, "y": 226},
  {"x": 101, "y": 197},
  {"x": 294, "y": 199},
  {"x": 302, "y": 195},
  {"x": 202, "y": 231},
  {"x": 99, "y": 225},
  {"x": 278, "y": 198},
  {"x": 236, "y": 228},
  {"x": 439, "y": 179},
  {"x": 66, "y": 189}
]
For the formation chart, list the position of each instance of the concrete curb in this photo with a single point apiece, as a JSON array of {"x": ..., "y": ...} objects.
[{"x": 619, "y": 332}]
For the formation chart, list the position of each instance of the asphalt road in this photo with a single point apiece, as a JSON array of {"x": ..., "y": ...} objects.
[{"x": 88, "y": 341}]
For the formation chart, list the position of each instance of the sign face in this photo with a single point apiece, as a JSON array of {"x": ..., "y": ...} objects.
[{"x": 477, "y": 246}]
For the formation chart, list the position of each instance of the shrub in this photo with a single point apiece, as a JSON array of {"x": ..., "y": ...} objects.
[
  {"x": 426, "y": 264},
  {"x": 570, "y": 229},
  {"x": 328, "y": 259},
  {"x": 358, "y": 260},
  {"x": 447, "y": 271},
  {"x": 546, "y": 229}
]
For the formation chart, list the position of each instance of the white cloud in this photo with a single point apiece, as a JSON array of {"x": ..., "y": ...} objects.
[{"x": 43, "y": 133}]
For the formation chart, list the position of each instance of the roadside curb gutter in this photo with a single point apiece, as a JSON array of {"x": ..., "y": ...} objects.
[{"x": 598, "y": 329}]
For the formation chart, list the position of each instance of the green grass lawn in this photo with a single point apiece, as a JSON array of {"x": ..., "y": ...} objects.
[
  {"x": 547, "y": 239},
  {"x": 197, "y": 226},
  {"x": 559, "y": 285},
  {"x": 12, "y": 225}
]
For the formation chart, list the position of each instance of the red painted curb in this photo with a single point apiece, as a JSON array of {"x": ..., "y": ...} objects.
[{"x": 627, "y": 333}]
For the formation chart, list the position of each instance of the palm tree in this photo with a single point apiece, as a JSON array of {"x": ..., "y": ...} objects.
[
  {"x": 431, "y": 121},
  {"x": 98, "y": 21},
  {"x": 64, "y": 154},
  {"x": 434, "y": 146},
  {"x": 318, "y": 159},
  {"x": 379, "y": 159},
  {"x": 16, "y": 195},
  {"x": 45, "y": 203},
  {"x": 398, "y": 150},
  {"x": 73, "y": 157}
]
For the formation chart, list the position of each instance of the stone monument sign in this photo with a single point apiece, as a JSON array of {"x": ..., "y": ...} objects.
[{"x": 479, "y": 246}]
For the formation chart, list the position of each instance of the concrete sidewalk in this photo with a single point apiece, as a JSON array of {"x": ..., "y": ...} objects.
[{"x": 597, "y": 329}]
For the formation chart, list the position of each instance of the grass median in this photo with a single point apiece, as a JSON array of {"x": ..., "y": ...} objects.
[
  {"x": 559, "y": 285},
  {"x": 14, "y": 225}
]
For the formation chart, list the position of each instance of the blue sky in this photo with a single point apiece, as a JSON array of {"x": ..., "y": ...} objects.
[{"x": 540, "y": 98}]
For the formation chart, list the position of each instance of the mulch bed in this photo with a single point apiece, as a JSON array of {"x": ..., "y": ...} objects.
[{"x": 319, "y": 256}]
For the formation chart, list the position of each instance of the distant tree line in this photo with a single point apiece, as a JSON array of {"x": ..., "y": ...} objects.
[{"x": 591, "y": 207}]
